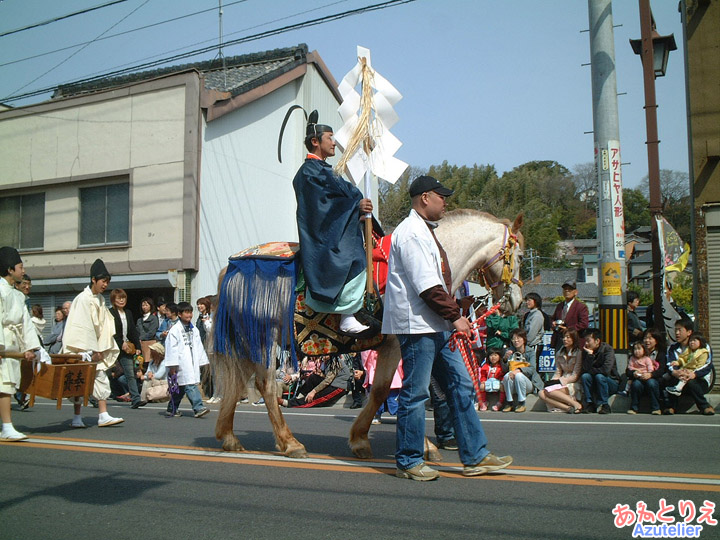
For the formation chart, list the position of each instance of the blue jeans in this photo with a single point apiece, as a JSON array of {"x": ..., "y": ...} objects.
[
  {"x": 598, "y": 388},
  {"x": 637, "y": 387},
  {"x": 519, "y": 386},
  {"x": 127, "y": 363},
  {"x": 193, "y": 394},
  {"x": 419, "y": 353},
  {"x": 441, "y": 412}
]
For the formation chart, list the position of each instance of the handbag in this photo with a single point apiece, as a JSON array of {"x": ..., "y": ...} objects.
[
  {"x": 492, "y": 385},
  {"x": 158, "y": 392}
]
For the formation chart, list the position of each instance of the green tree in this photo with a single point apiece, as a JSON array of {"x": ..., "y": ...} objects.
[
  {"x": 675, "y": 195},
  {"x": 635, "y": 209}
]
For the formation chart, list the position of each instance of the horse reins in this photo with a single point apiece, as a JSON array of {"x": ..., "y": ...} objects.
[{"x": 463, "y": 343}]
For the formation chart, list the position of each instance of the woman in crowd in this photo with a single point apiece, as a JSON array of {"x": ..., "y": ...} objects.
[
  {"x": 521, "y": 376},
  {"x": 649, "y": 382},
  {"x": 323, "y": 387},
  {"x": 534, "y": 324},
  {"x": 155, "y": 385},
  {"x": 128, "y": 341},
  {"x": 560, "y": 391},
  {"x": 147, "y": 326},
  {"x": 204, "y": 320},
  {"x": 56, "y": 332},
  {"x": 207, "y": 373},
  {"x": 38, "y": 320}
]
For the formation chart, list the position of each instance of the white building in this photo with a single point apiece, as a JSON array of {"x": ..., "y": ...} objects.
[{"x": 162, "y": 174}]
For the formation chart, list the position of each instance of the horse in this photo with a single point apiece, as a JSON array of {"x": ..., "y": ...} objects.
[{"x": 473, "y": 240}]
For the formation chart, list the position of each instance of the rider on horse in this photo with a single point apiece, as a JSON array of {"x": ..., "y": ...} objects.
[{"x": 329, "y": 209}]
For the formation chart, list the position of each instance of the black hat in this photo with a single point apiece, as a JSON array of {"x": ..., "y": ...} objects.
[
  {"x": 9, "y": 257},
  {"x": 314, "y": 129},
  {"x": 98, "y": 270},
  {"x": 570, "y": 283},
  {"x": 427, "y": 183}
]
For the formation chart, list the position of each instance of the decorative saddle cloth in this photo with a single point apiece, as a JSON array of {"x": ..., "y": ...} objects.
[{"x": 259, "y": 302}]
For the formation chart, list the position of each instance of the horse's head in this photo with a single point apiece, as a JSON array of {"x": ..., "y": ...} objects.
[{"x": 502, "y": 271}]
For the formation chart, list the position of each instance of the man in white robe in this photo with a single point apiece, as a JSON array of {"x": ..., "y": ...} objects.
[
  {"x": 17, "y": 336},
  {"x": 90, "y": 328}
]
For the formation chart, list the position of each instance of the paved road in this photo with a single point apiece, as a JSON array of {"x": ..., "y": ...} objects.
[{"x": 156, "y": 478}]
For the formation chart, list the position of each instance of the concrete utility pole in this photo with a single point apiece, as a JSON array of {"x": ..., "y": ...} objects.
[{"x": 611, "y": 226}]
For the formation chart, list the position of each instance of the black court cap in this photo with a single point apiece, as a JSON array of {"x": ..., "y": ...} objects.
[
  {"x": 570, "y": 283},
  {"x": 427, "y": 183}
]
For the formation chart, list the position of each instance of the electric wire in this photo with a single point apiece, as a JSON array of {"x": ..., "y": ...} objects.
[
  {"x": 196, "y": 52},
  {"x": 213, "y": 39},
  {"x": 79, "y": 50},
  {"x": 159, "y": 23},
  {"x": 60, "y": 18}
]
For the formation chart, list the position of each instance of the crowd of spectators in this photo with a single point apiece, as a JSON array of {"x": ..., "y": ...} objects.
[{"x": 585, "y": 377}]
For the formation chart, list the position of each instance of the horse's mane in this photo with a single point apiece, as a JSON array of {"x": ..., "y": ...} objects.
[{"x": 460, "y": 213}]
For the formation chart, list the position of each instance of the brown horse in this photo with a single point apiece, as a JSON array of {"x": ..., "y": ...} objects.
[{"x": 473, "y": 240}]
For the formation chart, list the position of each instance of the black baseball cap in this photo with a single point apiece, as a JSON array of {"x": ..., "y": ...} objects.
[{"x": 427, "y": 183}]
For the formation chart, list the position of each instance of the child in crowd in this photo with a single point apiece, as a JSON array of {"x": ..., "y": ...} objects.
[
  {"x": 638, "y": 364},
  {"x": 171, "y": 312},
  {"x": 491, "y": 376},
  {"x": 694, "y": 357},
  {"x": 184, "y": 354}
]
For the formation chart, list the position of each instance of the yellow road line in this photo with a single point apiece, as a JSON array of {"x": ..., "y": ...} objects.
[{"x": 546, "y": 475}]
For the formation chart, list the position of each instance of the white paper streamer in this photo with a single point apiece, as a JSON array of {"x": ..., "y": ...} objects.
[{"x": 381, "y": 161}]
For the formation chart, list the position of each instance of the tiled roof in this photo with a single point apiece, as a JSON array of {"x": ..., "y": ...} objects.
[{"x": 241, "y": 73}]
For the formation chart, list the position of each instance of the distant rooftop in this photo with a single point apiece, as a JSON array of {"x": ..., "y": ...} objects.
[{"x": 241, "y": 73}]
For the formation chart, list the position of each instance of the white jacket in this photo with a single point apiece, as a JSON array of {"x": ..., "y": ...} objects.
[
  {"x": 186, "y": 355},
  {"x": 415, "y": 265}
]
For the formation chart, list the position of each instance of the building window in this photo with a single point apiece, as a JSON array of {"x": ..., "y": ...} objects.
[
  {"x": 105, "y": 215},
  {"x": 22, "y": 221}
]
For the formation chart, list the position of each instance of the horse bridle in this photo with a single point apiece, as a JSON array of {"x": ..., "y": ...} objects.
[{"x": 505, "y": 253}]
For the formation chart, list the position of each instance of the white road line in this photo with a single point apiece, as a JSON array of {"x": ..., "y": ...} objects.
[
  {"x": 364, "y": 464},
  {"x": 553, "y": 420}
]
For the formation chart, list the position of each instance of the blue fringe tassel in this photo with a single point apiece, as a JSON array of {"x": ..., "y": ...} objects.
[{"x": 256, "y": 310}]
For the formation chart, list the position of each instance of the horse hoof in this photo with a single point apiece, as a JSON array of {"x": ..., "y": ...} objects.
[
  {"x": 232, "y": 445},
  {"x": 433, "y": 455},
  {"x": 296, "y": 453}
]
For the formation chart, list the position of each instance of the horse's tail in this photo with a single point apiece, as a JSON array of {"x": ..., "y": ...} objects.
[{"x": 256, "y": 301}]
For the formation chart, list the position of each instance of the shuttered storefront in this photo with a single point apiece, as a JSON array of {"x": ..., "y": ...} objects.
[{"x": 713, "y": 269}]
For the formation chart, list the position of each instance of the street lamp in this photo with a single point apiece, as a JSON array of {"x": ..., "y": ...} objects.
[
  {"x": 662, "y": 45},
  {"x": 653, "y": 50}
]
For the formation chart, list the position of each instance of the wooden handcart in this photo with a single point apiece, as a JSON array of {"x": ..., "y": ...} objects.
[{"x": 67, "y": 377}]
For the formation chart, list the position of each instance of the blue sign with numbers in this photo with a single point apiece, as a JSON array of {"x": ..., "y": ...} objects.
[{"x": 546, "y": 362}]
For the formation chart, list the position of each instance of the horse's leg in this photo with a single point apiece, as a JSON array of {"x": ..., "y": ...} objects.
[
  {"x": 431, "y": 451},
  {"x": 284, "y": 439},
  {"x": 387, "y": 363},
  {"x": 234, "y": 382}
]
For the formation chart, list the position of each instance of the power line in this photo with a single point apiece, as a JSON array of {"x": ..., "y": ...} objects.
[
  {"x": 118, "y": 34},
  {"x": 138, "y": 67},
  {"x": 213, "y": 39},
  {"x": 60, "y": 18},
  {"x": 79, "y": 50}
]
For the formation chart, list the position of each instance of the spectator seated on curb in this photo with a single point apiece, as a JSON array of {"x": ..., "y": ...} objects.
[
  {"x": 521, "y": 377},
  {"x": 600, "y": 378},
  {"x": 559, "y": 392},
  {"x": 645, "y": 374},
  {"x": 323, "y": 390},
  {"x": 491, "y": 381}
]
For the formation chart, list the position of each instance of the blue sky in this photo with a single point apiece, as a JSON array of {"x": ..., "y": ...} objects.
[{"x": 484, "y": 82}]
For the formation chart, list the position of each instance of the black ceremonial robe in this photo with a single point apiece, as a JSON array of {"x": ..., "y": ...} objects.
[{"x": 329, "y": 227}]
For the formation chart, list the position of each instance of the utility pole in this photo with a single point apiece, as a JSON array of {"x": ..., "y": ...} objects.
[{"x": 611, "y": 230}]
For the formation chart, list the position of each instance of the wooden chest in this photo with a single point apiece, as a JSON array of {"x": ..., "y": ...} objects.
[{"x": 66, "y": 377}]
